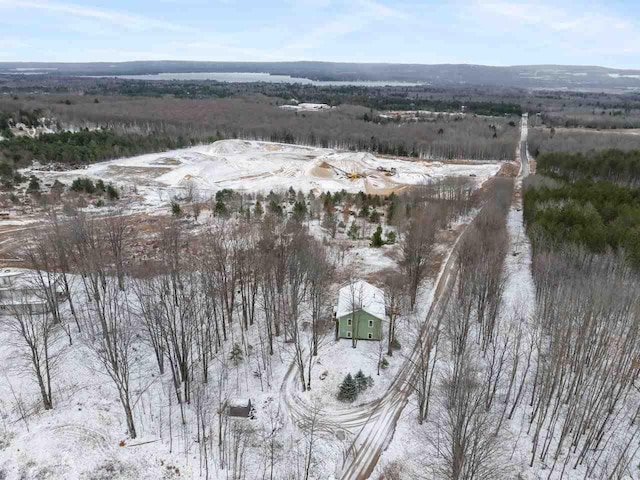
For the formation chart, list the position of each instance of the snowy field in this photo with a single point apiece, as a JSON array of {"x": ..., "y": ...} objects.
[{"x": 263, "y": 166}]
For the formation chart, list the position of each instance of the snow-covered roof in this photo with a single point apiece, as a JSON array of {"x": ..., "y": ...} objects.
[
  {"x": 361, "y": 295},
  {"x": 239, "y": 402}
]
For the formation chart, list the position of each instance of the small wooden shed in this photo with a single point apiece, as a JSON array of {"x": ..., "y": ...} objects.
[{"x": 240, "y": 408}]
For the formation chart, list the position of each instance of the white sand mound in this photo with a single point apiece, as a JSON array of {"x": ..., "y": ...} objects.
[
  {"x": 352, "y": 162},
  {"x": 226, "y": 148}
]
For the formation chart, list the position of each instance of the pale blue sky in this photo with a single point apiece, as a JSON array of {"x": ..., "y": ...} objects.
[{"x": 496, "y": 32}]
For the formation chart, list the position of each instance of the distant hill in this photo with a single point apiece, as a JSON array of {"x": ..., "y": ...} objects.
[{"x": 525, "y": 76}]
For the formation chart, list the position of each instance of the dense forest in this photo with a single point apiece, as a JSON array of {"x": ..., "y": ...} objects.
[
  {"x": 135, "y": 125},
  {"x": 601, "y": 118},
  {"x": 621, "y": 167},
  {"x": 85, "y": 146},
  {"x": 577, "y": 202},
  {"x": 478, "y": 101},
  {"x": 582, "y": 109},
  {"x": 549, "y": 140}
]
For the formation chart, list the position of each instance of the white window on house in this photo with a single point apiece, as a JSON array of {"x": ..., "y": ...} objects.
[
  {"x": 369, "y": 336},
  {"x": 349, "y": 322},
  {"x": 370, "y": 323},
  {"x": 348, "y": 333}
]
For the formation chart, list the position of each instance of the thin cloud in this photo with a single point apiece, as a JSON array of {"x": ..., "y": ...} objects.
[
  {"x": 577, "y": 31},
  {"x": 124, "y": 20},
  {"x": 554, "y": 18},
  {"x": 365, "y": 13}
]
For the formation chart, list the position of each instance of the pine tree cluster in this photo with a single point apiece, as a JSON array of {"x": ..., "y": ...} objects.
[{"x": 351, "y": 386}]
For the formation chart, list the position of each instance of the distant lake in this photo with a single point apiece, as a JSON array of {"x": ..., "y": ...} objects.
[{"x": 242, "y": 77}]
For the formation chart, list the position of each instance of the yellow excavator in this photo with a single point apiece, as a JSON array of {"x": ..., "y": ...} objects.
[{"x": 355, "y": 175}]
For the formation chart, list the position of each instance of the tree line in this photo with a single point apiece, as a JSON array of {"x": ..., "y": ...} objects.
[
  {"x": 84, "y": 147},
  {"x": 559, "y": 140},
  {"x": 598, "y": 215},
  {"x": 261, "y": 119},
  {"x": 617, "y": 166}
]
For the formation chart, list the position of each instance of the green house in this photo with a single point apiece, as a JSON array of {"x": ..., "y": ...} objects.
[{"x": 360, "y": 312}]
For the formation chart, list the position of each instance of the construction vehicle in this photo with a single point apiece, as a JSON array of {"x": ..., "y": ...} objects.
[{"x": 389, "y": 172}]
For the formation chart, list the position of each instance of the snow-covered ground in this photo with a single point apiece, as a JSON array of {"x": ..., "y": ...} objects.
[
  {"x": 307, "y": 107},
  {"x": 81, "y": 437},
  {"x": 264, "y": 166}
]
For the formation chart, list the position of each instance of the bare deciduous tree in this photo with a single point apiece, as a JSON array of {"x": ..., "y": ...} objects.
[{"x": 36, "y": 334}]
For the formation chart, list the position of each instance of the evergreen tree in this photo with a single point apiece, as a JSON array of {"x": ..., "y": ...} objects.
[
  {"x": 112, "y": 192},
  {"x": 361, "y": 381},
  {"x": 328, "y": 202},
  {"x": 348, "y": 389},
  {"x": 392, "y": 208},
  {"x": 364, "y": 211},
  {"x": 275, "y": 208},
  {"x": 369, "y": 381},
  {"x": 354, "y": 231},
  {"x": 299, "y": 211},
  {"x": 236, "y": 354},
  {"x": 175, "y": 208},
  {"x": 34, "y": 184},
  {"x": 376, "y": 238},
  {"x": 221, "y": 209},
  {"x": 292, "y": 195}
]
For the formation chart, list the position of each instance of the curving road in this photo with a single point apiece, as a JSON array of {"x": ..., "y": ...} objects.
[{"x": 370, "y": 427}]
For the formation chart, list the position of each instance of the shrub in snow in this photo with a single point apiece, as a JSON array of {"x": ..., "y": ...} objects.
[
  {"x": 34, "y": 184},
  {"x": 84, "y": 184},
  {"x": 391, "y": 237},
  {"x": 112, "y": 192},
  {"x": 111, "y": 469},
  {"x": 384, "y": 363},
  {"x": 5, "y": 441}
]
